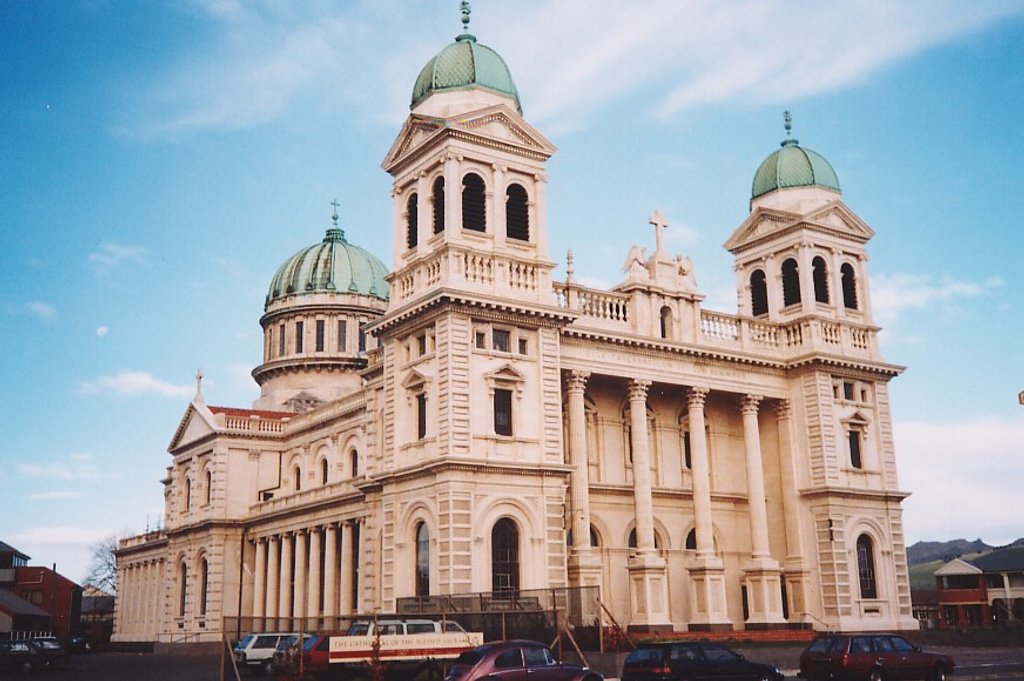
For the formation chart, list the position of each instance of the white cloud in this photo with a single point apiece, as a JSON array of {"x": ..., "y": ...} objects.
[
  {"x": 894, "y": 294},
  {"x": 102, "y": 331},
  {"x": 111, "y": 256},
  {"x": 964, "y": 477},
  {"x": 69, "y": 547},
  {"x": 135, "y": 383},
  {"x": 56, "y": 496},
  {"x": 573, "y": 57},
  {"x": 77, "y": 467},
  {"x": 41, "y": 309}
]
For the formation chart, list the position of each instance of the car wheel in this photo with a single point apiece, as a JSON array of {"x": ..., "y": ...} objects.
[
  {"x": 875, "y": 675},
  {"x": 938, "y": 674}
]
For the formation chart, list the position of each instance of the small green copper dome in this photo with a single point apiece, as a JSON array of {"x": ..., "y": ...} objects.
[
  {"x": 793, "y": 166},
  {"x": 465, "y": 63},
  {"x": 332, "y": 266}
]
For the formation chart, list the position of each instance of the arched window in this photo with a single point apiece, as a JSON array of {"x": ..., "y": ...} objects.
[
  {"x": 866, "y": 566},
  {"x": 422, "y": 560},
  {"x": 297, "y": 472},
  {"x": 666, "y": 321},
  {"x": 691, "y": 540},
  {"x": 209, "y": 486},
  {"x": 517, "y": 213},
  {"x": 412, "y": 221},
  {"x": 182, "y": 582},
  {"x": 354, "y": 457},
  {"x": 505, "y": 557},
  {"x": 323, "y": 472},
  {"x": 632, "y": 539},
  {"x": 187, "y": 502},
  {"x": 437, "y": 198},
  {"x": 790, "y": 282},
  {"x": 594, "y": 540},
  {"x": 474, "y": 211},
  {"x": 758, "y": 293},
  {"x": 819, "y": 273},
  {"x": 204, "y": 585},
  {"x": 849, "y": 286}
]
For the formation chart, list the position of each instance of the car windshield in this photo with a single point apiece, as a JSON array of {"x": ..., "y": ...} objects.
[
  {"x": 469, "y": 658},
  {"x": 245, "y": 641},
  {"x": 645, "y": 656},
  {"x": 310, "y": 642}
]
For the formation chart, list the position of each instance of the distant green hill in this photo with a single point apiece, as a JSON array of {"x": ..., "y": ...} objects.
[{"x": 943, "y": 551}]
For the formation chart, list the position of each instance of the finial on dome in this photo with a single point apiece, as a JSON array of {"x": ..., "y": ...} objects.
[
  {"x": 788, "y": 124},
  {"x": 199, "y": 386},
  {"x": 334, "y": 215},
  {"x": 335, "y": 233},
  {"x": 464, "y": 8}
]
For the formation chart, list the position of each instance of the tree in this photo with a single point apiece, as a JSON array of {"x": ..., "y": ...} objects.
[{"x": 103, "y": 567}]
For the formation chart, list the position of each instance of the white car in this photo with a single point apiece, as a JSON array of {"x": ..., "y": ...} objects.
[{"x": 255, "y": 652}]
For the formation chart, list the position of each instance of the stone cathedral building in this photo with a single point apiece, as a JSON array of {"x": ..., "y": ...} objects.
[{"x": 464, "y": 423}]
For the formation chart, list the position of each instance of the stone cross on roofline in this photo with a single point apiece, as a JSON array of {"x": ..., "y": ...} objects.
[{"x": 660, "y": 224}]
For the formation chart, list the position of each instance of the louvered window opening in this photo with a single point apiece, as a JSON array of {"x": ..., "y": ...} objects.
[
  {"x": 790, "y": 283},
  {"x": 849, "y": 287},
  {"x": 437, "y": 198},
  {"x": 517, "y": 213},
  {"x": 474, "y": 212},
  {"x": 758, "y": 293},
  {"x": 412, "y": 221},
  {"x": 819, "y": 273}
]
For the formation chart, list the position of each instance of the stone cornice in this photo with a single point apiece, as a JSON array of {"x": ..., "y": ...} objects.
[
  {"x": 825, "y": 491},
  {"x": 464, "y": 465},
  {"x": 284, "y": 366}
]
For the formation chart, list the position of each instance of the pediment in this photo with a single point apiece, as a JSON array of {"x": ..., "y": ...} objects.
[
  {"x": 492, "y": 125},
  {"x": 764, "y": 223},
  {"x": 196, "y": 423},
  {"x": 958, "y": 566},
  {"x": 507, "y": 374},
  {"x": 414, "y": 380}
]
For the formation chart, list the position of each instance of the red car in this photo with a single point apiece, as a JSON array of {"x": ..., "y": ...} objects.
[
  {"x": 517, "y": 661},
  {"x": 871, "y": 657}
]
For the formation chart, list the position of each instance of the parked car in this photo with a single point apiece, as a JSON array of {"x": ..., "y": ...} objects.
[
  {"x": 54, "y": 652},
  {"x": 694, "y": 662},
  {"x": 871, "y": 657},
  {"x": 255, "y": 652},
  {"x": 514, "y": 660},
  {"x": 316, "y": 653},
  {"x": 21, "y": 656},
  {"x": 398, "y": 627},
  {"x": 78, "y": 644}
]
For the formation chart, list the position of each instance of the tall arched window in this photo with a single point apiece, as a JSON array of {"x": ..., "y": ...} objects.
[
  {"x": 666, "y": 321},
  {"x": 412, "y": 219},
  {"x": 209, "y": 486},
  {"x": 182, "y": 583},
  {"x": 437, "y": 198},
  {"x": 204, "y": 585},
  {"x": 790, "y": 282},
  {"x": 422, "y": 560},
  {"x": 691, "y": 540},
  {"x": 354, "y": 456},
  {"x": 849, "y": 286},
  {"x": 866, "y": 567},
  {"x": 517, "y": 213},
  {"x": 819, "y": 273},
  {"x": 505, "y": 557},
  {"x": 758, "y": 293},
  {"x": 297, "y": 472},
  {"x": 474, "y": 210},
  {"x": 323, "y": 471},
  {"x": 187, "y": 501}
]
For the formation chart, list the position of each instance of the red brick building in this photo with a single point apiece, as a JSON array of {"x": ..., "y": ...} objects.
[
  {"x": 982, "y": 592},
  {"x": 33, "y": 589}
]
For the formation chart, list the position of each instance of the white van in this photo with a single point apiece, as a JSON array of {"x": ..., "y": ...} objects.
[
  {"x": 400, "y": 627},
  {"x": 255, "y": 652}
]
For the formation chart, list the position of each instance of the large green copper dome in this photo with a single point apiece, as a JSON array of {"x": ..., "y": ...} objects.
[
  {"x": 332, "y": 266},
  {"x": 793, "y": 166},
  {"x": 465, "y": 63}
]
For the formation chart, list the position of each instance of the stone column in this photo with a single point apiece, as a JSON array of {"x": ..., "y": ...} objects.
[
  {"x": 273, "y": 576},
  {"x": 707, "y": 572},
  {"x": 496, "y": 214},
  {"x": 330, "y": 574},
  {"x": 284, "y": 601},
  {"x": 763, "y": 578},
  {"x": 584, "y": 565},
  {"x": 346, "y": 570},
  {"x": 313, "y": 586},
  {"x": 647, "y": 573},
  {"x": 452, "y": 197},
  {"x": 300, "y": 575},
  {"x": 796, "y": 572},
  {"x": 803, "y": 257},
  {"x": 259, "y": 595}
]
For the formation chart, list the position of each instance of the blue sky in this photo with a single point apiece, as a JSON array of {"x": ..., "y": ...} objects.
[{"x": 159, "y": 160}]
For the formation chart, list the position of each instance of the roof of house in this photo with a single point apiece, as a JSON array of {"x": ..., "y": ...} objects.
[
  {"x": 13, "y": 604},
  {"x": 7, "y": 548},
  {"x": 1009, "y": 559}
]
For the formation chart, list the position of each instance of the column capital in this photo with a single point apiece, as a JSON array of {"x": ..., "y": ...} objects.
[
  {"x": 784, "y": 409},
  {"x": 638, "y": 389},
  {"x": 576, "y": 381},
  {"x": 695, "y": 397},
  {"x": 750, "y": 403}
]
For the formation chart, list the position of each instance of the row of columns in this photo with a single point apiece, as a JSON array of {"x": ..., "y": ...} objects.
[
  {"x": 647, "y": 569},
  {"x": 288, "y": 582},
  {"x": 142, "y": 589}
]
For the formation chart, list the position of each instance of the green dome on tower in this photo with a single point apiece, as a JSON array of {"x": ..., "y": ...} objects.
[
  {"x": 331, "y": 266},
  {"x": 793, "y": 166},
  {"x": 462, "y": 64}
]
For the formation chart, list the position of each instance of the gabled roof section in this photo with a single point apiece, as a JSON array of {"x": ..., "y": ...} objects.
[
  {"x": 1010, "y": 559},
  {"x": 506, "y": 372},
  {"x": 7, "y": 548},
  {"x": 414, "y": 380},
  {"x": 13, "y": 604},
  {"x": 493, "y": 125},
  {"x": 957, "y": 566},
  {"x": 201, "y": 420},
  {"x": 766, "y": 223}
]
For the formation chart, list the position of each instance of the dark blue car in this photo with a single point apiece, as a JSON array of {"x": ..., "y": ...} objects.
[{"x": 694, "y": 662}]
